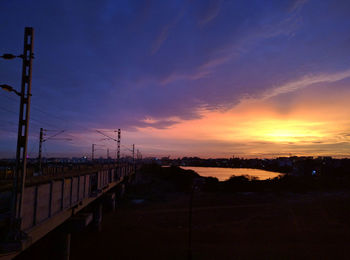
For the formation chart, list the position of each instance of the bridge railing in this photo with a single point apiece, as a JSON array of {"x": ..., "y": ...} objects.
[
  {"x": 45, "y": 200},
  {"x": 7, "y": 171},
  {"x": 55, "y": 171}
]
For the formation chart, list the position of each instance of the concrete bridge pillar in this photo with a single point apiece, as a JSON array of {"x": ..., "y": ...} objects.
[
  {"x": 97, "y": 217},
  {"x": 62, "y": 245},
  {"x": 111, "y": 201},
  {"x": 121, "y": 190},
  {"x": 66, "y": 246},
  {"x": 132, "y": 179}
]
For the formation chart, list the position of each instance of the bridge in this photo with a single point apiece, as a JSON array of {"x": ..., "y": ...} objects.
[
  {"x": 35, "y": 200},
  {"x": 62, "y": 195}
]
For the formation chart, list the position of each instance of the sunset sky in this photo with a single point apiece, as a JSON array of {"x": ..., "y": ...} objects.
[{"x": 182, "y": 78}]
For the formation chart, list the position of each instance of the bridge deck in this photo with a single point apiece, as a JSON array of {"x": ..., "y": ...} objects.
[{"x": 48, "y": 205}]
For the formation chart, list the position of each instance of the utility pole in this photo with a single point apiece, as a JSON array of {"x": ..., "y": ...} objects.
[
  {"x": 118, "y": 145},
  {"x": 133, "y": 157},
  {"x": 93, "y": 149},
  {"x": 113, "y": 139},
  {"x": 41, "y": 139},
  {"x": 23, "y": 125},
  {"x": 107, "y": 153},
  {"x": 138, "y": 154},
  {"x": 92, "y": 152}
]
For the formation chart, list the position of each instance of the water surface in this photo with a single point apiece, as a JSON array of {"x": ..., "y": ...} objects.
[{"x": 225, "y": 173}]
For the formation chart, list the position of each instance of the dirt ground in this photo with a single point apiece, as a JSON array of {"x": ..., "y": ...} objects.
[{"x": 224, "y": 226}]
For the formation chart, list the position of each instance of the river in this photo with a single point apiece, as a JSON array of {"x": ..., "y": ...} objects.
[{"x": 225, "y": 173}]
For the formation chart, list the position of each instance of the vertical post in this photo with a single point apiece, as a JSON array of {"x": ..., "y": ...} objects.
[
  {"x": 84, "y": 186},
  {"x": 118, "y": 145},
  {"x": 35, "y": 204},
  {"x": 92, "y": 151},
  {"x": 61, "y": 249},
  {"x": 62, "y": 194},
  {"x": 50, "y": 199},
  {"x": 71, "y": 191},
  {"x": 133, "y": 159},
  {"x": 118, "y": 150},
  {"x": 40, "y": 149},
  {"x": 78, "y": 189},
  {"x": 190, "y": 223},
  {"x": 66, "y": 246},
  {"x": 111, "y": 201},
  {"x": 107, "y": 153},
  {"x": 23, "y": 125},
  {"x": 97, "y": 216}
]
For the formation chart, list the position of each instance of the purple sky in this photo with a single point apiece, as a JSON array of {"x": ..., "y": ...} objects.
[{"x": 147, "y": 66}]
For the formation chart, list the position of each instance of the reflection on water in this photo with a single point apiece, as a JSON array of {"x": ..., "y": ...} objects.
[{"x": 225, "y": 173}]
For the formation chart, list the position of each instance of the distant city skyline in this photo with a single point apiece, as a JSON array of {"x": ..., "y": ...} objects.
[{"x": 182, "y": 78}]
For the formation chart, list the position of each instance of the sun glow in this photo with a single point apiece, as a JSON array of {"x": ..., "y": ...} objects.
[
  {"x": 259, "y": 128},
  {"x": 287, "y": 131}
]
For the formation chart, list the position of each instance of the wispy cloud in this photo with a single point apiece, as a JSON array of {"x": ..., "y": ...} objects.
[
  {"x": 224, "y": 55},
  {"x": 306, "y": 81},
  {"x": 211, "y": 12},
  {"x": 163, "y": 35},
  {"x": 297, "y": 5},
  {"x": 158, "y": 124},
  {"x": 287, "y": 27},
  {"x": 185, "y": 76}
]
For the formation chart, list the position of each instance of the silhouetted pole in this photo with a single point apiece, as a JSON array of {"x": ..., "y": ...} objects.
[
  {"x": 23, "y": 125},
  {"x": 107, "y": 153},
  {"x": 138, "y": 155},
  {"x": 118, "y": 145},
  {"x": 133, "y": 153},
  {"x": 92, "y": 152},
  {"x": 41, "y": 138}
]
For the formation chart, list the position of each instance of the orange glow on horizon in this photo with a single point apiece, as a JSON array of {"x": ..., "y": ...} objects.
[{"x": 261, "y": 128}]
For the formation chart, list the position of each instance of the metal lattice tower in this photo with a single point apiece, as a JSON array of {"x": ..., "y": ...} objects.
[
  {"x": 118, "y": 145},
  {"x": 23, "y": 125}
]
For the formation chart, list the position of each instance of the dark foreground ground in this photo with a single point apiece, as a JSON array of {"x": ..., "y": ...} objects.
[{"x": 313, "y": 225}]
